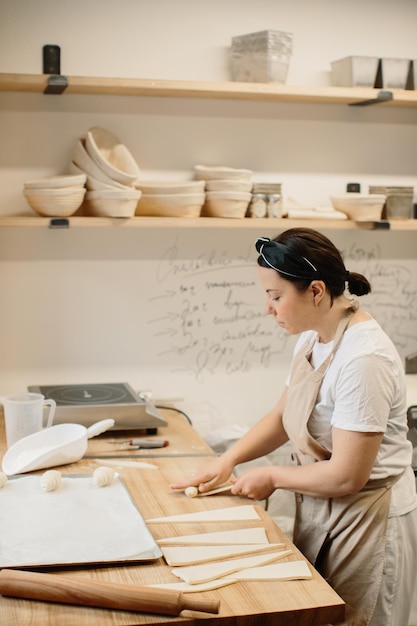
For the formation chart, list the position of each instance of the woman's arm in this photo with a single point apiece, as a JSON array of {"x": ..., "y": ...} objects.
[
  {"x": 264, "y": 437},
  {"x": 346, "y": 472}
]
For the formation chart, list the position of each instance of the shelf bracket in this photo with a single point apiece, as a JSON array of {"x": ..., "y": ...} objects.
[
  {"x": 56, "y": 84},
  {"x": 59, "y": 222},
  {"x": 383, "y": 96}
]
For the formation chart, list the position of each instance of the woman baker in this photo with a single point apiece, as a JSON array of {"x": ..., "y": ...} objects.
[{"x": 344, "y": 411}]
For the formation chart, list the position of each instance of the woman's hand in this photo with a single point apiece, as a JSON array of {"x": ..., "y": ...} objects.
[
  {"x": 208, "y": 476},
  {"x": 256, "y": 483}
]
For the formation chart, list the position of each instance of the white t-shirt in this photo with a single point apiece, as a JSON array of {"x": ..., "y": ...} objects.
[{"x": 364, "y": 390}]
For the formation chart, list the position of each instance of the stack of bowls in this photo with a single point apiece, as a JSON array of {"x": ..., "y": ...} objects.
[
  {"x": 111, "y": 172},
  {"x": 55, "y": 196},
  {"x": 170, "y": 199},
  {"x": 228, "y": 190}
]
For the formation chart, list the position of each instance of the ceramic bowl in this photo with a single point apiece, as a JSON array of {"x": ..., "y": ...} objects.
[
  {"x": 83, "y": 162},
  {"x": 213, "y": 172},
  {"x": 111, "y": 203},
  {"x": 111, "y": 156},
  {"x": 94, "y": 184},
  {"x": 53, "y": 182},
  {"x": 177, "y": 187},
  {"x": 360, "y": 207},
  {"x": 226, "y": 204},
  {"x": 171, "y": 205},
  {"x": 59, "y": 202},
  {"x": 229, "y": 185}
]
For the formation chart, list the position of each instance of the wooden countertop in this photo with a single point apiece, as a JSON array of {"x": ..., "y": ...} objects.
[{"x": 305, "y": 603}]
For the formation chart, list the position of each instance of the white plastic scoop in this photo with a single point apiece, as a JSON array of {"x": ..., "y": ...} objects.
[{"x": 57, "y": 445}]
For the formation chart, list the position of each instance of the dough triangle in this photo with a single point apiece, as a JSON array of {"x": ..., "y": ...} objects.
[
  {"x": 186, "y": 555},
  {"x": 196, "y": 574},
  {"x": 226, "y": 537},
  {"x": 230, "y": 514}
]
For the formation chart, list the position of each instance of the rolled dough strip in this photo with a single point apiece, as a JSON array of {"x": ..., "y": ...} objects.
[
  {"x": 293, "y": 570},
  {"x": 237, "y": 513},
  {"x": 186, "y": 588},
  {"x": 221, "y": 537},
  {"x": 178, "y": 556},
  {"x": 197, "y": 574},
  {"x": 193, "y": 492}
]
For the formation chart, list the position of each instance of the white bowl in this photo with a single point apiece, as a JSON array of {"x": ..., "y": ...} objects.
[
  {"x": 60, "y": 202},
  {"x": 83, "y": 161},
  {"x": 112, "y": 156},
  {"x": 151, "y": 187},
  {"x": 54, "y": 191},
  {"x": 229, "y": 185},
  {"x": 111, "y": 203},
  {"x": 53, "y": 182},
  {"x": 213, "y": 172},
  {"x": 171, "y": 205},
  {"x": 93, "y": 184},
  {"x": 360, "y": 207},
  {"x": 228, "y": 195},
  {"x": 226, "y": 204}
]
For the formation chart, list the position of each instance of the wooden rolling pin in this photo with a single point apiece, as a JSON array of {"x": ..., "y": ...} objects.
[{"x": 53, "y": 588}]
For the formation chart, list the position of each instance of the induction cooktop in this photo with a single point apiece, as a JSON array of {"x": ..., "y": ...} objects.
[{"x": 88, "y": 403}]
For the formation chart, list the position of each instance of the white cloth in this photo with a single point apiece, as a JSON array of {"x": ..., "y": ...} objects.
[{"x": 364, "y": 390}]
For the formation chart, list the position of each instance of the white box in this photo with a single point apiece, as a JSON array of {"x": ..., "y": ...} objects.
[{"x": 354, "y": 71}]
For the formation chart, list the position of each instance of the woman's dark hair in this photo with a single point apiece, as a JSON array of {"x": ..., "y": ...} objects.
[{"x": 322, "y": 254}]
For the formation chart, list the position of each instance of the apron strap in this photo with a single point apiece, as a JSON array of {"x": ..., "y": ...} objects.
[{"x": 302, "y": 395}]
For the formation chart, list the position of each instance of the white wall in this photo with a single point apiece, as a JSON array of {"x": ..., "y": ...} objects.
[{"x": 314, "y": 150}]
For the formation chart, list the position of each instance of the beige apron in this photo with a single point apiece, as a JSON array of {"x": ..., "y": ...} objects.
[{"x": 344, "y": 537}]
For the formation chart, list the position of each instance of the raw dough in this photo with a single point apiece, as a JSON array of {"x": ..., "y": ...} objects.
[
  {"x": 221, "y": 537},
  {"x": 187, "y": 555},
  {"x": 293, "y": 570},
  {"x": 51, "y": 480},
  {"x": 196, "y": 574},
  {"x": 192, "y": 492},
  {"x": 103, "y": 476},
  {"x": 186, "y": 588},
  {"x": 236, "y": 513}
]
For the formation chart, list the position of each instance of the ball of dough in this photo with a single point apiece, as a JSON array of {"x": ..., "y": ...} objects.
[
  {"x": 191, "y": 492},
  {"x": 103, "y": 476},
  {"x": 51, "y": 480},
  {"x": 3, "y": 479}
]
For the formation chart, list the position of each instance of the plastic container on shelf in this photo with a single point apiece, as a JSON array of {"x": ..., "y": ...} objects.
[
  {"x": 354, "y": 71},
  {"x": 398, "y": 203},
  {"x": 393, "y": 73},
  {"x": 261, "y": 57}
]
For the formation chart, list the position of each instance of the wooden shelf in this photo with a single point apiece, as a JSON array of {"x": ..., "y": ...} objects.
[
  {"x": 267, "y": 92},
  {"x": 34, "y": 83},
  {"x": 203, "y": 222}
]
